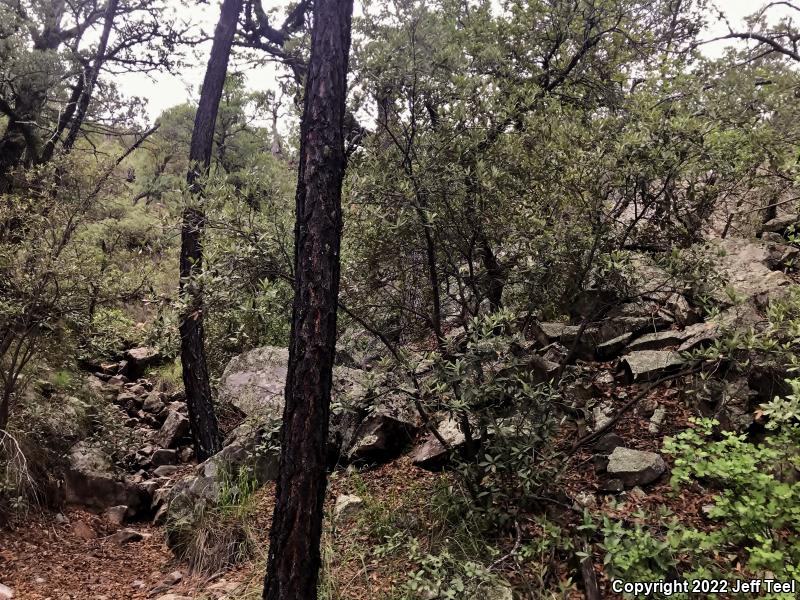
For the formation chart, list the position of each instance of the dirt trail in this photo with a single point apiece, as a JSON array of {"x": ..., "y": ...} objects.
[{"x": 79, "y": 559}]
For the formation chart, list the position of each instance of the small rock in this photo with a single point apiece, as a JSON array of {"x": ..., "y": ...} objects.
[
  {"x": 548, "y": 332},
  {"x": 150, "y": 486},
  {"x": 585, "y": 499},
  {"x": 6, "y": 593},
  {"x": 153, "y": 403},
  {"x": 637, "y": 493},
  {"x": 138, "y": 584},
  {"x": 127, "y": 536},
  {"x": 613, "y": 347},
  {"x": 61, "y": 519},
  {"x": 174, "y": 428},
  {"x": 635, "y": 467},
  {"x": 431, "y": 454},
  {"x": 657, "y": 419},
  {"x": 347, "y": 506},
  {"x": 612, "y": 486},
  {"x": 116, "y": 514},
  {"x": 136, "y": 388},
  {"x": 117, "y": 381},
  {"x": 173, "y": 578},
  {"x": 223, "y": 586},
  {"x": 185, "y": 454},
  {"x": 607, "y": 443},
  {"x": 139, "y": 359},
  {"x": 164, "y": 456},
  {"x": 165, "y": 471}
]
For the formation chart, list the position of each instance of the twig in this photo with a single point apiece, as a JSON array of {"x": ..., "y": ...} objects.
[{"x": 517, "y": 543}]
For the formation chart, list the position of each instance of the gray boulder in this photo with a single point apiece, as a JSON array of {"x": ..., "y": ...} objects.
[
  {"x": 381, "y": 436},
  {"x": 254, "y": 382},
  {"x": 658, "y": 340},
  {"x": 346, "y": 507},
  {"x": 635, "y": 467},
  {"x": 91, "y": 481},
  {"x": 430, "y": 454},
  {"x": 746, "y": 266},
  {"x": 780, "y": 224},
  {"x": 164, "y": 456},
  {"x": 648, "y": 365},
  {"x": 138, "y": 359},
  {"x": 249, "y": 451},
  {"x": 175, "y": 427},
  {"x": 547, "y": 332}
]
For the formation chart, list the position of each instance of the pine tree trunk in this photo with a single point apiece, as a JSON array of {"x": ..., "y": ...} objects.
[
  {"x": 294, "y": 552},
  {"x": 203, "y": 421}
]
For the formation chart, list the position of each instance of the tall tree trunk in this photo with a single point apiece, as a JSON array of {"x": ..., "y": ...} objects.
[
  {"x": 91, "y": 77},
  {"x": 294, "y": 558},
  {"x": 203, "y": 421},
  {"x": 5, "y": 402}
]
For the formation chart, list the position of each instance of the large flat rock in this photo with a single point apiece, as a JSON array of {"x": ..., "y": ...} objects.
[{"x": 647, "y": 365}]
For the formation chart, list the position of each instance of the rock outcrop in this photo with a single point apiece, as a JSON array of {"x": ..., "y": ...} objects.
[{"x": 92, "y": 481}]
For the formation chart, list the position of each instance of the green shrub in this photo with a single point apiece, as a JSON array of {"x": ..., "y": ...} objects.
[{"x": 755, "y": 512}]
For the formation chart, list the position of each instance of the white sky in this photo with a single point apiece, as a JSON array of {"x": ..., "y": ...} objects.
[{"x": 164, "y": 90}]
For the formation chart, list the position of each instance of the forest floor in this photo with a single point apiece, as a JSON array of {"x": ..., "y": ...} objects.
[
  {"x": 76, "y": 555},
  {"x": 73, "y": 555}
]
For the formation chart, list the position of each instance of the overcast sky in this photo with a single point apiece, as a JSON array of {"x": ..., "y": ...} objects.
[{"x": 164, "y": 90}]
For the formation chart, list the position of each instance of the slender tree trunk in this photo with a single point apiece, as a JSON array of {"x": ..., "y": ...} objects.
[
  {"x": 88, "y": 88},
  {"x": 294, "y": 557},
  {"x": 203, "y": 421},
  {"x": 65, "y": 119},
  {"x": 5, "y": 401}
]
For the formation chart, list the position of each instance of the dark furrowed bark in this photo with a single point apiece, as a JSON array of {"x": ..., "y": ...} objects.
[
  {"x": 294, "y": 556},
  {"x": 203, "y": 421}
]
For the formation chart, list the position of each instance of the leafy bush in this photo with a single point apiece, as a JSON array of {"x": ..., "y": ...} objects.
[
  {"x": 755, "y": 512},
  {"x": 487, "y": 382},
  {"x": 111, "y": 331}
]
